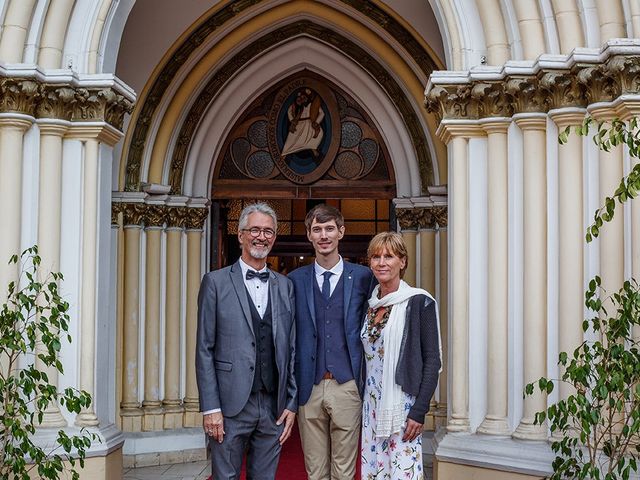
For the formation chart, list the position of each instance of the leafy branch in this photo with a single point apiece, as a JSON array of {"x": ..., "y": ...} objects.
[
  {"x": 33, "y": 320},
  {"x": 597, "y": 428},
  {"x": 609, "y": 135}
]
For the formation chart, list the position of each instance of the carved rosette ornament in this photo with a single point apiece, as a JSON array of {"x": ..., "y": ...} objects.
[
  {"x": 626, "y": 71},
  {"x": 527, "y": 95},
  {"x": 441, "y": 216},
  {"x": 133, "y": 213},
  {"x": 19, "y": 95},
  {"x": 101, "y": 105},
  {"x": 563, "y": 90},
  {"x": 154, "y": 216},
  {"x": 452, "y": 101},
  {"x": 422, "y": 218},
  {"x": 600, "y": 84},
  {"x": 116, "y": 209},
  {"x": 55, "y": 102},
  {"x": 195, "y": 218},
  {"x": 492, "y": 100},
  {"x": 176, "y": 217}
]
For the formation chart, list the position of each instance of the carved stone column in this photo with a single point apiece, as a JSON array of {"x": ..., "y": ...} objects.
[
  {"x": 153, "y": 419},
  {"x": 571, "y": 232},
  {"x": 130, "y": 410},
  {"x": 533, "y": 128},
  {"x": 49, "y": 218},
  {"x": 441, "y": 214},
  {"x": 87, "y": 417},
  {"x": 427, "y": 231},
  {"x": 12, "y": 129},
  {"x": 172, "y": 402},
  {"x": 495, "y": 421},
  {"x": 456, "y": 137},
  {"x": 194, "y": 224}
]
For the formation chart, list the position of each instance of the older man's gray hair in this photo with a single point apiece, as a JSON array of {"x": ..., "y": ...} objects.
[{"x": 259, "y": 207}]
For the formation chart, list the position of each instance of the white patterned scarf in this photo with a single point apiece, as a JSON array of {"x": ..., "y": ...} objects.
[{"x": 390, "y": 415}]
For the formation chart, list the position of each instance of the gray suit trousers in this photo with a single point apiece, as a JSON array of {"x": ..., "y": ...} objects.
[{"x": 253, "y": 430}]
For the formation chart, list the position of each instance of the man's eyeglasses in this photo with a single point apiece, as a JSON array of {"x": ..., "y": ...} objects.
[{"x": 255, "y": 232}]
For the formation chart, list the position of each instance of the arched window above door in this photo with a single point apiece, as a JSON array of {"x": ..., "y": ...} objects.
[{"x": 304, "y": 138}]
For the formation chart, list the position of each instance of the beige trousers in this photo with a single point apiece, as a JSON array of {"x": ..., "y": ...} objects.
[{"x": 329, "y": 426}]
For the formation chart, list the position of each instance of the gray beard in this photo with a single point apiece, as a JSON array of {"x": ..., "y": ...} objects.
[{"x": 258, "y": 253}]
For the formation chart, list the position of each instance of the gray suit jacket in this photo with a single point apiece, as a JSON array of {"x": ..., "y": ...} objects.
[{"x": 225, "y": 342}]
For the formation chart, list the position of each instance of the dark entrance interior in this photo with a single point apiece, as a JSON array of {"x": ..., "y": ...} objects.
[{"x": 363, "y": 219}]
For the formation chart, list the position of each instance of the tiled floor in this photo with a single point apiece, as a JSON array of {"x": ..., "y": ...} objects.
[{"x": 181, "y": 471}]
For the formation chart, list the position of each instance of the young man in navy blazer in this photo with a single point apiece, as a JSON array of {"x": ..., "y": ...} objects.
[{"x": 331, "y": 302}]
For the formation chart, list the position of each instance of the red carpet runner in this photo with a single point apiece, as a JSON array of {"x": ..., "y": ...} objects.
[{"x": 291, "y": 466}]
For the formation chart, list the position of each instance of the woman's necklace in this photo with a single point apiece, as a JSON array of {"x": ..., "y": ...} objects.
[{"x": 374, "y": 328}]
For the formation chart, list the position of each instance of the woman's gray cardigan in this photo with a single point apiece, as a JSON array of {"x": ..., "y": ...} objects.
[{"x": 419, "y": 359}]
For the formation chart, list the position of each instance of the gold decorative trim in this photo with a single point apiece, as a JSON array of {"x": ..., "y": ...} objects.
[
  {"x": 545, "y": 90},
  {"x": 147, "y": 215},
  {"x": 422, "y": 218}
]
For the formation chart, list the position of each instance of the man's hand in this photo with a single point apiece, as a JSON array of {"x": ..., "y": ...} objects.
[
  {"x": 288, "y": 417},
  {"x": 213, "y": 425},
  {"x": 412, "y": 430}
]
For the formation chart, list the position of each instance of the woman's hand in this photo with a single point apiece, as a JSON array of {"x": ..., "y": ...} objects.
[{"x": 412, "y": 430}]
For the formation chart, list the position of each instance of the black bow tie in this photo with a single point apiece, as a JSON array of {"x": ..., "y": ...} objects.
[{"x": 263, "y": 276}]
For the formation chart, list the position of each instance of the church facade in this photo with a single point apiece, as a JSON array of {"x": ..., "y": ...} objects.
[{"x": 132, "y": 133}]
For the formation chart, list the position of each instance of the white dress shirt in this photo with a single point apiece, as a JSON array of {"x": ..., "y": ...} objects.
[
  {"x": 258, "y": 290},
  {"x": 337, "y": 270}
]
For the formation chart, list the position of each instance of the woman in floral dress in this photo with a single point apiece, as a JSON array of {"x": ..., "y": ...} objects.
[{"x": 403, "y": 358}]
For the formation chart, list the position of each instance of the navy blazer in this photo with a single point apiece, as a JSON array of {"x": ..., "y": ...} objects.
[{"x": 358, "y": 284}]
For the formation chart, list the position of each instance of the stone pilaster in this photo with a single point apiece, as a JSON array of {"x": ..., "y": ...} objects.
[
  {"x": 195, "y": 220},
  {"x": 533, "y": 128},
  {"x": 154, "y": 220}
]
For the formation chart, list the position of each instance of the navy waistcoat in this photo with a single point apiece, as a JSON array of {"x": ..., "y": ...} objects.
[{"x": 332, "y": 352}]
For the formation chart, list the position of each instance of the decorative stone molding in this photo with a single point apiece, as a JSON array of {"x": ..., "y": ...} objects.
[
  {"x": 176, "y": 217},
  {"x": 116, "y": 210},
  {"x": 492, "y": 102},
  {"x": 133, "y": 213},
  {"x": 195, "y": 218},
  {"x": 18, "y": 95},
  {"x": 34, "y": 97},
  {"x": 154, "y": 216},
  {"x": 158, "y": 215},
  {"x": 101, "y": 105},
  {"x": 55, "y": 102},
  {"x": 514, "y": 90},
  {"x": 422, "y": 218}
]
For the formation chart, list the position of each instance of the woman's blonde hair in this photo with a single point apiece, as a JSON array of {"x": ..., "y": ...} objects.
[{"x": 394, "y": 243}]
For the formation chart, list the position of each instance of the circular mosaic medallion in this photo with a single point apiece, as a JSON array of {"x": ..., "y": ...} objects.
[
  {"x": 369, "y": 151},
  {"x": 260, "y": 164},
  {"x": 351, "y": 135},
  {"x": 348, "y": 165},
  {"x": 257, "y": 134},
  {"x": 239, "y": 150}
]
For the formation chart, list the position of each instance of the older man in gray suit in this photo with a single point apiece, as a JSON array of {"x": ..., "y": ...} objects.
[{"x": 245, "y": 355}]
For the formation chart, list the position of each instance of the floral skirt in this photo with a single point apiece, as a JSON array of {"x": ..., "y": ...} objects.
[{"x": 390, "y": 457}]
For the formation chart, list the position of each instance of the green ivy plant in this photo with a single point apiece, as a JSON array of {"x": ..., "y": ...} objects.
[
  {"x": 609, "y": 135},
  {"x": 33, "y": 321},
  {"x": 597, "y": 429}
]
